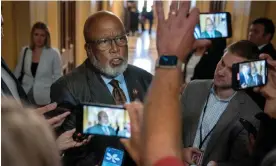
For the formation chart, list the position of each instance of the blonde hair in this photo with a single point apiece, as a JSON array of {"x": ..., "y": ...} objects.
[
  {"x": 27, "y": 139},
  {"x": 44, "y": 27}
]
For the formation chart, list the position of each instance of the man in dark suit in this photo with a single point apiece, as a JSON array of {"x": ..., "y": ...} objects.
[
  {"x": 246, "y": 79},
  {"x": 261, "y": 33},
  {"x": 102, "y": 127},
  {"x": 210, "y": 30},
  {"x": 257, "y": 79},
  {"x": 104, "y": 77}
]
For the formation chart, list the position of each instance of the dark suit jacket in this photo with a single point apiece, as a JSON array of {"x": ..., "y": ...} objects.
[
  {"x": 259, "y": 79},
  {"x": 269, "y": 49},
  {"x": 256, "y": 97},
  {"x": 229, "y": 140},
  {"x": 206, "y": 67},
  {"x": 248, "y": 82},
  {"x": 84, "y": 84},
  {"x": 264, "y": 151},
  {"x": 21, "y": 92}
]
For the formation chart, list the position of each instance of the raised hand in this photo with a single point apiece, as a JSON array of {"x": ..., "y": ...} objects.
[
  {"x": 175, "y": 35},
  {"x": 269, "y": 90}
]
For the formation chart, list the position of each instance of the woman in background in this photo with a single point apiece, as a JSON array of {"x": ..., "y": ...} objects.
[{"x": 39, "y": 65}]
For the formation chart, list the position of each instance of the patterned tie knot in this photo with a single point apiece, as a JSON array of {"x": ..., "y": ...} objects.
[{"x": 114, "y": 83}]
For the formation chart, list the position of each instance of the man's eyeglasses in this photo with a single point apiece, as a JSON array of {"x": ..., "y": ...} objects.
[{"x": 105, "y": 44}]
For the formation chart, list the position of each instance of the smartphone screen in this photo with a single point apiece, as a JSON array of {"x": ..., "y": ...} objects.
[
  {"x": 213, "y": 25},
  {"x": 252, "y": 74},
  {"x": 105, "y": 120},
  {"x": 113, "y": 157}
]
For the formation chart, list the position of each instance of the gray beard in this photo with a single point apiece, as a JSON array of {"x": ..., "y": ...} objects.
[{"x": 107, "y": 69}]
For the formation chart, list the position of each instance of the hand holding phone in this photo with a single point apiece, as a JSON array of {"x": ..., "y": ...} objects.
[{"x": 249, "y": 74}]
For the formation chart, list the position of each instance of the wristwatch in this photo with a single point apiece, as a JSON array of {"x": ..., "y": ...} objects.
[{"x": 169, "y": 62}]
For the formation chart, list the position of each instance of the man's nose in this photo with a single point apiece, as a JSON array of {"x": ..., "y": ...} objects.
[{"x": 114, "y": 47}]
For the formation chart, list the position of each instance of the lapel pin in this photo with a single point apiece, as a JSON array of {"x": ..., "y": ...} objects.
[{"x": 134, "y": 91}]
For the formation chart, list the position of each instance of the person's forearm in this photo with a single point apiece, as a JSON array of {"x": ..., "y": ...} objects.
[{"x": 162, "y": 109}]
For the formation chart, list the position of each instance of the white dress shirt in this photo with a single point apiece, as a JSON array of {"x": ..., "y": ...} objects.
[{"x": 262, "y": 46}]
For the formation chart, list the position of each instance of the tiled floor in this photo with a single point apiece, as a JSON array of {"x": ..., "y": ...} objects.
[{"x": 142, "y": 51}]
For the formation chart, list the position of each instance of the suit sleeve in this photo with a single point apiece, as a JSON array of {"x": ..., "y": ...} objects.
[
  {"x": 239, "y": 143},
  {"x": 239, "y": 149},
  {"x": 74, "y": 156},
  {"x": 265, "y": 142},
  {"x": 61, "y": 95},
  {"x": 17, "y": 71},
  {"x": 57, "y": 66}
]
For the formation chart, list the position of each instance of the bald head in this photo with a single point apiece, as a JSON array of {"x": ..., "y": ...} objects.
[{"x": 102, "y": 24}]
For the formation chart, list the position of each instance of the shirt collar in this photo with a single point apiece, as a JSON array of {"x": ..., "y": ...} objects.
[
  {"x": 262, "y": 46},
  {"x": 212, "y": 91},
  {"x": 119, "y": 78}
]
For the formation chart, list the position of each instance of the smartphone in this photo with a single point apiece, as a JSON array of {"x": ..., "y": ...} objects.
[
  {"x": 249, "y": 74},
  {"x": 249, "y": 127},
  {"x": 102, "y": 119},
  {"x": 113, "y": 157},
  {"x": 213, "y": 25}
]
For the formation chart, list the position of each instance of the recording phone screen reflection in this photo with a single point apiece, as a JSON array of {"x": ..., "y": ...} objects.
[
  {"x": 211, "y": 25},
  {"x": 252, "y": 74},
  {"x": 106, "y": 121}
]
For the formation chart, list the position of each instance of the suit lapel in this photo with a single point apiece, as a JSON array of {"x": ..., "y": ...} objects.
[
  {"x": 226, "y": 119},
  {"x": 197, "y": 110},
  {"x": 98, "y": 90},
  {"x": 135, "y": 90},
  {"x": 20, "y": 90}
]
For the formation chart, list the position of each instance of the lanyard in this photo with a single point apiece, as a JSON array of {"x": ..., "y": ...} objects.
[{"x": 200, "y": 132}]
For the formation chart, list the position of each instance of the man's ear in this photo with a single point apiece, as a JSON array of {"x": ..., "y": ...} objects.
[
  {"x": 88, "y": 49},
  {"x": 267, "y": 36}
]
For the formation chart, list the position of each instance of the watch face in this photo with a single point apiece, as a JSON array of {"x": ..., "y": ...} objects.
[{"x": 168, "y": 60}]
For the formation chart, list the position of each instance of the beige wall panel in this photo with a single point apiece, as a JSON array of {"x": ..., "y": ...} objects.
[
  {"x": 83, "y": 11},
  {"x": 53, "y": 22},
  {"x": 271, "y": 13},
  {"x": 240, "y": 11},
  {"x": 9, "y": 44}
]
